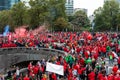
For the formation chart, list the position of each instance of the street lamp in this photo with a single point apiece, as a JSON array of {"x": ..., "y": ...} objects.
[{"x": 93, "y": 24}]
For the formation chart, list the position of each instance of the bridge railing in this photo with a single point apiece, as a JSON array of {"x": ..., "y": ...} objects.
[
  {"x": 23, "y": 49},
  {"x": 14, "y": 55}
]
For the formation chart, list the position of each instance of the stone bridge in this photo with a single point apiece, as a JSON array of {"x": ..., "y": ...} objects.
[{"x": 11, "y": 56}]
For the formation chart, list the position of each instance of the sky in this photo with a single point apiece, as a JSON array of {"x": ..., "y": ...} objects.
[{"x": 91, "y": 5}]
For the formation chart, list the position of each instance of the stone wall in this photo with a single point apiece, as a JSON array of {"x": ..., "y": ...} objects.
[{"x": 11, "y": 56}]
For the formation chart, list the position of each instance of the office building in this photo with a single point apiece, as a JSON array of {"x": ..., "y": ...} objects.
[
  {"x": 7, "y": 4},
  {"x": 69, "y": 7}
]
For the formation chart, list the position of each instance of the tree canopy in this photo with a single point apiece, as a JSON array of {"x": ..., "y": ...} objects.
[
  {"x": 107, "y": 17},
  {"x": 38, "y": 13},
  {"x": 42, "y": 12},
  {"x": 79, "y": 20}
]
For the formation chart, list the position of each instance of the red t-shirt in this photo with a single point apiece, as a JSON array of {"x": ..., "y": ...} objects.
[
  {"x": 103, "y": 49},
  {"x": 26, "y": 78},
  {"x": 54, "y": 77},
  {"x": 82, "y": 61},
  {"x": 35, "y": 69},
  {"x": 104, "y": 78},
  {"x": 100, "y": 76},
  {"x": 78, "y": 50},
  {"x": 110, "y": 77},
  {"x": 30, "y": 66},
  {"x": 43, "y": 79},
  {"x": 91, "y": 76},
  {"x": 118, "y": 60},
  {"x": 86, "y": 54},
  {"x": 115, "y": 69},
  {"x": 69, "y": 77},
  {"x": 58, "y": 63},
  {"x": 81, "y": 70},
  {"x": 116, "y": 78}
]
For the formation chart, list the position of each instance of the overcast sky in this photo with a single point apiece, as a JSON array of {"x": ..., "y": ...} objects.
[{"x": 91, "y": 5}]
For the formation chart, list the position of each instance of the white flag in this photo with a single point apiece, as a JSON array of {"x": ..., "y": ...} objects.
[
  {"x": 116, "y": 56},
  {"x": 58, "y": 69}
]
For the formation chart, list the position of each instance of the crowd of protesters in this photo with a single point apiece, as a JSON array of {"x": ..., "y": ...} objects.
[{"x": 86, "y": 59}]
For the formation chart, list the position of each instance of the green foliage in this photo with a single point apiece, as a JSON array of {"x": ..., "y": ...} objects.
[
  {"x": 79, "y": 19},
  {"x": 38, "y": 13},
  {"x": 107, "y": 17},
  {"x": 5, "y": 19},
  {"x": 57, "y": 9},
  {"x": 57, "y": 13},
  {"x": 70, "y": 18},
  {"x": 18, "y": 13},
  {"x": 60, "y": 24}
]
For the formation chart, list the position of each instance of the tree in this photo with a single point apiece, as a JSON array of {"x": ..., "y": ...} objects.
[
  {"x": 106, "y": 17},
  {"x": 5, "y": 19},
  {"x": 57, "y": 12},
  {"x": 19, "y": 14},
  {"x": 80, "y": 19},
  {"x": 57, "y": 8},
  {"x": 118, "y": 22},
  {"x": 60, "y": 24},
  {"x": 38, "y": 12}
]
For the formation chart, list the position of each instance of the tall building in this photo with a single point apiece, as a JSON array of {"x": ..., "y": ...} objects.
[
  {"x": 69, "y": 7},
  {"x": 7, "y": 4}
]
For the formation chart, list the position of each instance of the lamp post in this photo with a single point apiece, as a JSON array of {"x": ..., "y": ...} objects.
[{"x": 93, "y": 24}]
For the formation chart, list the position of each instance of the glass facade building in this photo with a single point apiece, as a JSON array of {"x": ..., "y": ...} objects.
[
  {"x": 7, "y": 4},
  {"x": 69, "y": 7}
]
